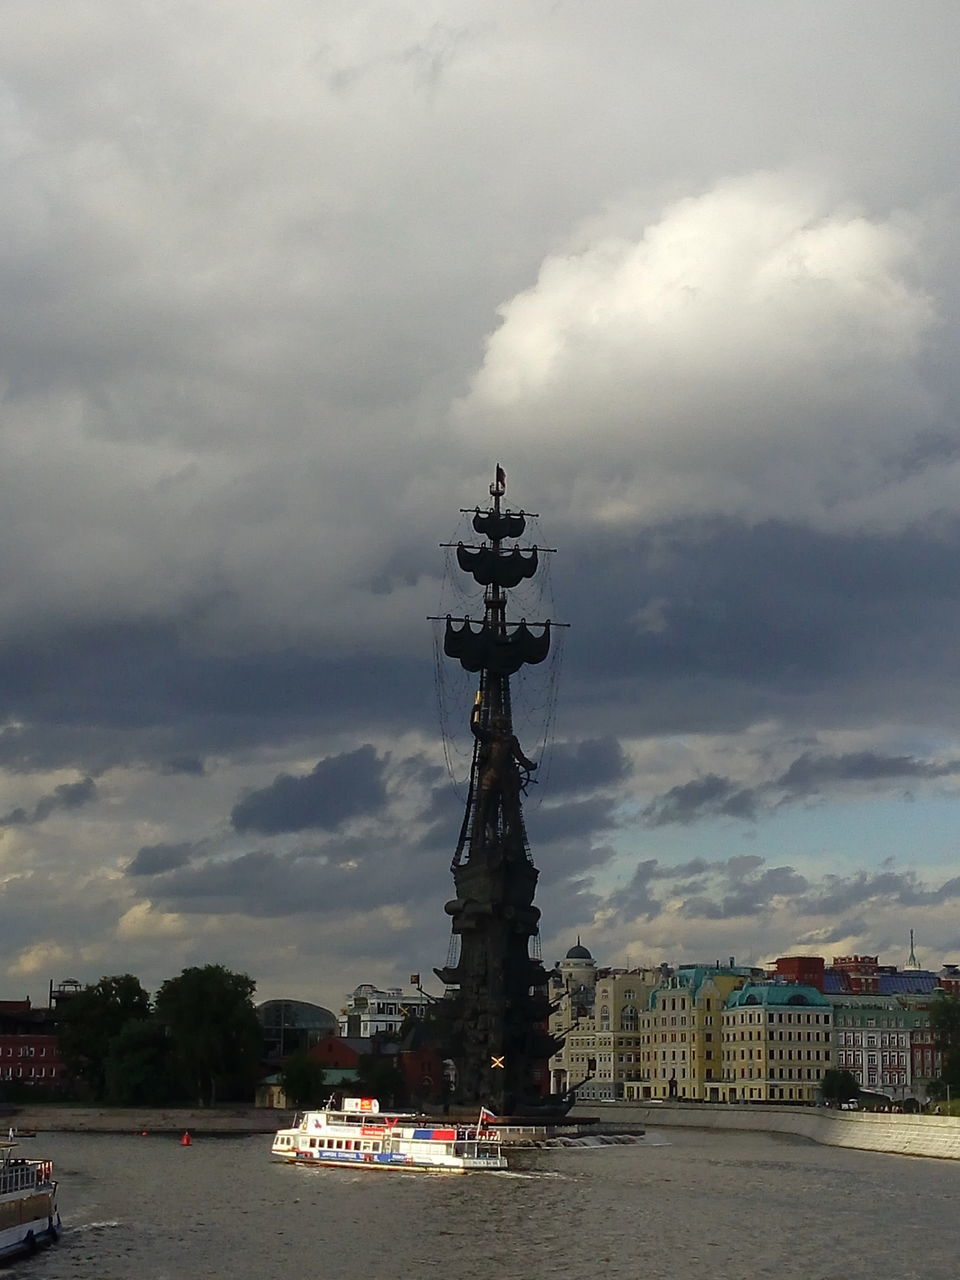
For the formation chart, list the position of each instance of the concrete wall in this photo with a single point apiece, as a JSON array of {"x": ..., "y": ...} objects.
[
  {"x": 900, "y": 1134},
  {"x": 68, "y": 1119}
]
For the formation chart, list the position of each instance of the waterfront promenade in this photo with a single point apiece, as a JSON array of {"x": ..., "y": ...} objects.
[
  {"x": 71, "y": 1119},
  {"x": 896, "y": 1133}
]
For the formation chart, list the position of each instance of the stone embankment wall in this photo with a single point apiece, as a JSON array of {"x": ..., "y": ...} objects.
[
  {"x": 899, "y": 1134},
  {"x": 67, "y": 1119}
]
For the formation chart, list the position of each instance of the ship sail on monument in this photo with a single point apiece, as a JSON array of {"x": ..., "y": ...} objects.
[{"x": 496, "y": 1004}]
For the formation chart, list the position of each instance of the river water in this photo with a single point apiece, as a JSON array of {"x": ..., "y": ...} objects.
[{"x": 681, "y": 1204}]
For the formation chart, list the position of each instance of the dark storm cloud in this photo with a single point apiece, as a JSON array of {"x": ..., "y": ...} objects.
[
  {"x": 710, "y": 796},
  {"x": 338, "y": 788},
  {"x": 183, "y": 764},
  {"x": 323, "y": 879},
  {"x": 696, "y": 867},
  {"x": 155, "y": 859},
  {"x": 69, "y": 795},
  {"x": 564, "y": 861},
  {"x": 729, "y": 652},
  {"x": 750, "y": 896},
  {"x": 259, "y": 883},
  {"x": 98, "y": 696},
  {"x": 576, "y": 819},
  {"x": 401, "y": 857},
  {"x": 636, "y": 899},
  {"x": 809, "y": 773},
  {"x": 845, "y": 893},
  {"x": 585, "y": 766},
  {"x": 713, "y": 796},
  {"x": 755, "y": 621},
  {"x": 745, "y": 887},
  {"x": 760, "y": 620},
  {"x": 566, "y": 904},
  {"x": 845, "y": 927}
]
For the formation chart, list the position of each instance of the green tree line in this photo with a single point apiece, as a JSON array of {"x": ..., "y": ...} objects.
[{"x": 198, "y": 1042}]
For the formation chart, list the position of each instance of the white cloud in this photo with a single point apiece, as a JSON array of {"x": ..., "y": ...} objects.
[{"x": 752, "y": 353}]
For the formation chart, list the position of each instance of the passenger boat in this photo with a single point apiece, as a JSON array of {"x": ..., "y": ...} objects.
[
  {"x": 29, "y": 1216},
  {"x": 360, "y": 1135}
]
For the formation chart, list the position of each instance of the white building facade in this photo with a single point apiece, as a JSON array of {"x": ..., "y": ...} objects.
[{"x": 370, "y": 1011}]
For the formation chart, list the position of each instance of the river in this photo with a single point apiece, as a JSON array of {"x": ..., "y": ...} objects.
[{"x": 682, "y": 1204}]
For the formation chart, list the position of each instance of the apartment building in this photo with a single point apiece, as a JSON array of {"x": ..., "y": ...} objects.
[
  {"x": 681, "y": 1033},
  {"x": 597, "y": 1014},
  {"x": 369, "y": 1011},
  {"x": 777, "y": 1042},
  {"x": 872, "y": 1040}
]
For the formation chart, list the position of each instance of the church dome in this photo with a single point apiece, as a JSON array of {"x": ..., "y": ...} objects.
[{"x": 579, "y": 953}]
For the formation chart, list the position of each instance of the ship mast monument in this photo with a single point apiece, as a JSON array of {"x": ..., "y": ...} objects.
[{"x": 496, "y": 1005}]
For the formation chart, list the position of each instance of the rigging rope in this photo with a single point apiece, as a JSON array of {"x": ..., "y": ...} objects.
[{"x": 534, "y": 690}]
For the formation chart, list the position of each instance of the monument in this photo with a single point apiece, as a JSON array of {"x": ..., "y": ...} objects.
[{"x": 496, "y": 1006}]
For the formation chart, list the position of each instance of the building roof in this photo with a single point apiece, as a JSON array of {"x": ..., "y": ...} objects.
[
  {"x": 918, "y": 982},
  {"x": 851, "y": 1000},
  {"x": 578, "y": 953},
  {"x": 914, "y": 982},
  {"x": 778, "y": 994},
  {"x": 835, "y": 982},
  {"x": 296, "y": 1013},
  {"x": 691, "y": 978}
]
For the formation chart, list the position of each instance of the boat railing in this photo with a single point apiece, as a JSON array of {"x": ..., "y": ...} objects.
[
  {"x": 476, "y": 1149},
  {"x": 19, "y": 1175}
]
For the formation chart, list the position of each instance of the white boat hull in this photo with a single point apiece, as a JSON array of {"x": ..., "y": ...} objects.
[
  {"x": 27, "y": 1237},
  {"x": 334, "y": 1138},
  {"x": 29, "y": 1217}
]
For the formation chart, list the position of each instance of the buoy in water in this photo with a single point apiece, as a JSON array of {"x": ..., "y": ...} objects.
[
  {"x": 143, "y": 1133},
  {"x": 186, "y": 1140}
]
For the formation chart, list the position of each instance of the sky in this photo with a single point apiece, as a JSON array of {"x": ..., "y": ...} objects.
[{"x": 283, "y": 283}]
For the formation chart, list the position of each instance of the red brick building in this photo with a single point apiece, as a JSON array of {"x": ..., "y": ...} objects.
[
  {"x": 807, "y": 971},
  {"x": 338, "y": 1052},
  {"x": 29, "y": 1051}
]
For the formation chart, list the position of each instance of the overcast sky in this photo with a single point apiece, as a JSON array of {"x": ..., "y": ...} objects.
[{"x": 281, "y": 285}]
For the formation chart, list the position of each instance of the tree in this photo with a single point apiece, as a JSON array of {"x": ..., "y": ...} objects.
[
  {"x": 92, "y": 1019},
  {"x": 945, "y": 1025},
  {"x": 141, "y": 1069},
  {"x": 302, "y": 1080},
  {"x": 839, "y": 1086},
  {"x": 379, "y": 1076},
  {"x": 214, "y": 1029}
]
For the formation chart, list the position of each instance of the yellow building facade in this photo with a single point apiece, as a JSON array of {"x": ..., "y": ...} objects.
[
  {"x": 597, "y": 1014},
  {"x": 682, "y": 1035},
  {"x": 776, "y": 1042}
]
